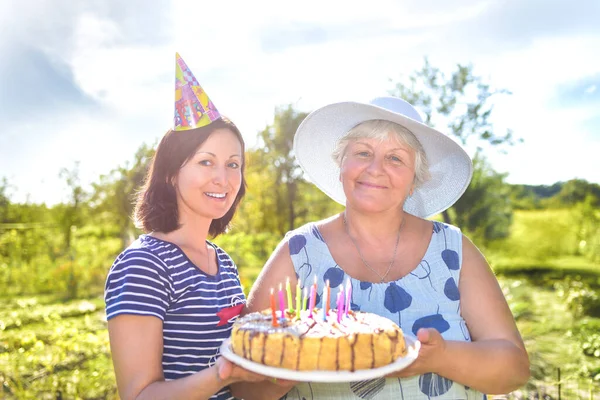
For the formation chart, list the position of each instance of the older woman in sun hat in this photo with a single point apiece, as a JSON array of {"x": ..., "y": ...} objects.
[{"x": 392, "y": 172}]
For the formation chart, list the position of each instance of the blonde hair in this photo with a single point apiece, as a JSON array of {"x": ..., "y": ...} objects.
[{"x": 381, "y": 129}]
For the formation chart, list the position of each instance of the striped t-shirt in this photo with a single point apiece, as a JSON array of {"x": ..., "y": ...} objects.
[{"x": 155, "y": 278}]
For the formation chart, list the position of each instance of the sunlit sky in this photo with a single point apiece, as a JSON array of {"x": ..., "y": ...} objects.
[{"x": 91, "y": 81}]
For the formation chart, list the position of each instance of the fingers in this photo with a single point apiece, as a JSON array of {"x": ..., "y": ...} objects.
[
  {"x": 224, "y": 368},
  {"x": 428, "y": 335},
  {"x": 284, "y": 382},
  {"x": 423, "y": 335}
]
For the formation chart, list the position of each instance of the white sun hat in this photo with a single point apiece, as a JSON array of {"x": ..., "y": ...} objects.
[{"x": 317, "y": 136}]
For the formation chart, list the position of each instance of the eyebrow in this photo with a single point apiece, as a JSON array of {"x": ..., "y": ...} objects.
[
  {"x": 214, "y": 155},
  {"x": 407, "y": 149}
]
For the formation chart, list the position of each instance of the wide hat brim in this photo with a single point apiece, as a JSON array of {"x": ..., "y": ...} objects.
[{"x": 317, "y": 136}]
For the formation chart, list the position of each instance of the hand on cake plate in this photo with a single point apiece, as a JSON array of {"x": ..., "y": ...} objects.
[
  {"x": 432, "y": 347},
  {"x": 228, "y": 371}
]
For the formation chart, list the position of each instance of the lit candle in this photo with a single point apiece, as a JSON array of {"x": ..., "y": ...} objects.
[
  {"x": 281, "y": 302},
  {"x": 288, "y": 289},
  {"x": 338, "y": 304},
  {"x": 305, "y": 299},
  {"x": 323, "y": 300},
  {"x": 273, "y": 312},
  {"x": 328, "y": 297},
  {"x": 348, "y": 296},
  {"x": 298, "y": 299},
  {"x": 311, "y": 304}
]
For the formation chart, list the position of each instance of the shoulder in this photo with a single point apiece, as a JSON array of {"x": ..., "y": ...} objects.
[
  {"x": 146, "y": 255},
  {"x": 221, "y": 253},
  {"x": 439, "y": 226},
  {"x": 224, "y": 258},
  {"x": 309, "y": 231}
]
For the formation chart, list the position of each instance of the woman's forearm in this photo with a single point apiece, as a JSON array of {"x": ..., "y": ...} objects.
[
  {"x": 491, "y": 366},
  {"x": 259, "y": 391},
  {"x": 201, "y": 385}
]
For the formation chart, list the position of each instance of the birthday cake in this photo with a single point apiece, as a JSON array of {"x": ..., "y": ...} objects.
[{"x": 313, "y": 340}]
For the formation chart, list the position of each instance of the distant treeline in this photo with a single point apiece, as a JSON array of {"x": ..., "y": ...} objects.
[{"x": 559, "y": 194}]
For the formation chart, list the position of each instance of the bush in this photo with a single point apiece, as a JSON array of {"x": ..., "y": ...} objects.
[
  {"x": 582, "y": 300},
  {"x": 250, "y": 252},
  {"x": 539, "y": 235}
]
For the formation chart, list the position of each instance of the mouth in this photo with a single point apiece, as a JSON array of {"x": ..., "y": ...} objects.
[
  {"x": 371, "y": 185},
  {"x": 216, "y": 196}
]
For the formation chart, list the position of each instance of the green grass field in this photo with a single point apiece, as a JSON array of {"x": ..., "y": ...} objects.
[{"x": 50, "y": 349}]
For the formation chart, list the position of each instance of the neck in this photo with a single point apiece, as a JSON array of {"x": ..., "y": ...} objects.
[
  {"x": 192, "y": 233},
  {"x": 374, "y": 227}
]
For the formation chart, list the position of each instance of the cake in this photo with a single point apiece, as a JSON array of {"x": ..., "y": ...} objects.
[{"x": 360, "y": 340}]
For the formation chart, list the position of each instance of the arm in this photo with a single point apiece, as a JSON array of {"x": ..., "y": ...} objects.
[
  {"x": 496, "y": 360},
  {"x": 136, "y": 345},
  {"x": 277, "y": 269}
]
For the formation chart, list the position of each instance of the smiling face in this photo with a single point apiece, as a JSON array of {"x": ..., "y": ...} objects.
[
  {"x": 207, "y": 184},
  {"x": 377, "y": 175}
]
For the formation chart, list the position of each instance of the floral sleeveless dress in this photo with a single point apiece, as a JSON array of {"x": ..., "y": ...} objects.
[{"x": 428, "y": 297}]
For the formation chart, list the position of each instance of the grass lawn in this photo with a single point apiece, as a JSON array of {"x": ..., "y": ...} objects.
[{"x": 566, "y": 265}]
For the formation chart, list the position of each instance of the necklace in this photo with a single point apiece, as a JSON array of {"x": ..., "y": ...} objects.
[{"x": 389, "y": 268}]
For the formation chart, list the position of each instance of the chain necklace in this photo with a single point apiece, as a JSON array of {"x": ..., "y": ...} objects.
[{"x": 389, "y": 268}]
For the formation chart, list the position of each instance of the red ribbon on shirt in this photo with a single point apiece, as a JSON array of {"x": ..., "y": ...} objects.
[{"x": 227, "y": 313}]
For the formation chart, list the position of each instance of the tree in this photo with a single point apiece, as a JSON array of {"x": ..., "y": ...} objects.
[
  {"x": 483, "y": 210},
  {"x": 114, "y": 195},
  {"x": 461, "y": 103},
  {"x": 4, "y": 201},
  {"x": 576, "y": 191},
  {"x": 71, "y": 215},
  {"x": 279, "y": 199},
  {"x": 70, "y": 218}
]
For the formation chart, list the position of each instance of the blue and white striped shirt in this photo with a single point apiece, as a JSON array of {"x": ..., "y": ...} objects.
[{"x": 154, "y": 277}]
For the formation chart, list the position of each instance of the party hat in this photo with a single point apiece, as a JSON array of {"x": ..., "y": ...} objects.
[{"x": 193, "y": 108}]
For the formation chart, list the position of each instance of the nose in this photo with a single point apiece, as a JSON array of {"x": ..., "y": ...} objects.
[
  {"x": 376, "y": 165},
  {"x": 219, "y": 176}
]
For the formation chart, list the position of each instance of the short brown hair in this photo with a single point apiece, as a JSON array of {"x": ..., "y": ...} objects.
[{"x": 156, "y": 205}]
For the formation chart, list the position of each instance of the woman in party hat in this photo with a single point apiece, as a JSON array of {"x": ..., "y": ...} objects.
[{"x": 172, "y": 296}]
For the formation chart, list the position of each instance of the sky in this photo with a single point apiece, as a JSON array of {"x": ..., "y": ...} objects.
[{"x": 89, "y": 82}]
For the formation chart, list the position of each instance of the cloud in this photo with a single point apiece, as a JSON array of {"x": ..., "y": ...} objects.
[
  {"x": 34, "y": 86},
  {"x": 579, "y": 92}
]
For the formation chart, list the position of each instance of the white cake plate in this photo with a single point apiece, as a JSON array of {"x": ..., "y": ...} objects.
[{"x": 412, "y": 344}]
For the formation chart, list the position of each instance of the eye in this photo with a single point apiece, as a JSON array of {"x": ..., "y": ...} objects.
[
  {"x": 394, "y": 158},
  {"x": 234, "y": 165},
  {"x": 206, "y": 163},
  {"x": 363, "y": 153}
]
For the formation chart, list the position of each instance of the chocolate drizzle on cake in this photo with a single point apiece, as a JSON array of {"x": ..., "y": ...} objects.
[{"x": 359, "y": 341}]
